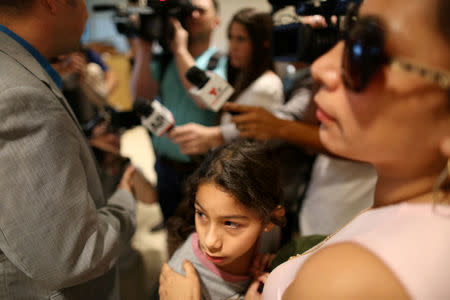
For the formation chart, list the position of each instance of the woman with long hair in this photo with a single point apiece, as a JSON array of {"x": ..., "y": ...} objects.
[
  {"x": 250, "y": 72},
  {"x": 385, "y": 100}
]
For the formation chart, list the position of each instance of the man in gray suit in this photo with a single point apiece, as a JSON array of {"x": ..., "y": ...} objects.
[{"x": 59, "y": 237}]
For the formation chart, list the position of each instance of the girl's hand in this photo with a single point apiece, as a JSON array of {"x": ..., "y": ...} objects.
[
  {"x": 254, "y": 292},
  {"x": 261, "y": 264},
  {"x": 175, "y": 286}
]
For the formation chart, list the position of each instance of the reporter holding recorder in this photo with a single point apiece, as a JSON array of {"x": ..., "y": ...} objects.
[
  {"x": 59, "y": 237},
  {"x": 250, "y": 72}
]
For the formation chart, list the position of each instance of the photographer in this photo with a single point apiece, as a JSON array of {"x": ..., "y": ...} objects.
[{"x": 189, "y": 47}]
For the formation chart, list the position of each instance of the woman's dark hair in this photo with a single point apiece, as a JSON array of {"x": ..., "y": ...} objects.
[
  {"x": 259, "y": 28},
  {"x": 443, "y": 19},
  {"x": 247, "y": 170},
  {"x": 16, "y": 6}
]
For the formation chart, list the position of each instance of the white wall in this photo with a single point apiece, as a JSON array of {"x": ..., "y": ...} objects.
[{"x": 100, "y": 27}]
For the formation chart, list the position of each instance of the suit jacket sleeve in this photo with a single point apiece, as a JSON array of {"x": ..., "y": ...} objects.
[{"x": 51, "y": 228}]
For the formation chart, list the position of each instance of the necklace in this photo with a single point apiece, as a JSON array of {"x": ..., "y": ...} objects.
[{"x": 319, "y": 245}]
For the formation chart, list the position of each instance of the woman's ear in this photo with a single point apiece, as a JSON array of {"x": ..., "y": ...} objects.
[{"x": 277, "y": 214}]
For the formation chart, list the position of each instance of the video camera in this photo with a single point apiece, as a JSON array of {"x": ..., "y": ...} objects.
[
  {"x": 150, "y": 18},
  {"x": 297, "y": 42}
]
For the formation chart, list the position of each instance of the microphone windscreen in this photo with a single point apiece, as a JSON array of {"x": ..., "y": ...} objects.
[
  {"x": 197, "y": 77},
  {"x": 142, "y": 107}
]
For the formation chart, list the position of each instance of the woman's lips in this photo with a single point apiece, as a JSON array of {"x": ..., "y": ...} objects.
[
  {"x": 323, "y": 116},
  {"x": 215, "y": 259}
]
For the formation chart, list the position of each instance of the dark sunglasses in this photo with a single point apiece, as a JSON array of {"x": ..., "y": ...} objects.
[{"x": 364, "y": 55}]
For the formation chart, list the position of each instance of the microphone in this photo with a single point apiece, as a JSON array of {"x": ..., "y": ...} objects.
[
  {"x": 210, "y": 89},
  {"x": 154, "y": 116}
]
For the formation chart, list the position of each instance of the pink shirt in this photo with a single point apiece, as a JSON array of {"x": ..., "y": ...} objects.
[{"x": 413, "y": 240}]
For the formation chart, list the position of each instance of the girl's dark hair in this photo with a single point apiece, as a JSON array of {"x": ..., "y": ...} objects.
[
  {"x": 247, "y": 170},
  {"x": 259, "y": 28}
]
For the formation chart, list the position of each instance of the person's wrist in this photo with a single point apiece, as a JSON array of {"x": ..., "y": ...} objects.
[
  {"x": 181, "y": 51},
  {"x": 215, "y": 137},
  {"x": 282, "y": 130}
]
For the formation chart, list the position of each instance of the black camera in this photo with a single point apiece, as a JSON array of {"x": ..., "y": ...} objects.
[
  {"x": 151, "y": 20},
  {"x": 297, "y": 42}
]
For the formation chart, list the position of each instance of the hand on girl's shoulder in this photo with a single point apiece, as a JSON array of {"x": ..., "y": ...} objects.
[{"x": 175, "y": 286}]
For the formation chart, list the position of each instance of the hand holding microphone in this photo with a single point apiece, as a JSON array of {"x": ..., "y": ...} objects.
[{"x": 210, "y": 89}]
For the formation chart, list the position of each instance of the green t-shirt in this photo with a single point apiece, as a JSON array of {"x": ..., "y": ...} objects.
[{"x": 178, "y": 101}]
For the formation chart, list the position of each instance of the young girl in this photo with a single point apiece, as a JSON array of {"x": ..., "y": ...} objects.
[{"x": 234, "y": 198}]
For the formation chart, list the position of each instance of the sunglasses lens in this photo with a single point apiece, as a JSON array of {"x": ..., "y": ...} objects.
[{"x": 363, "y": 53}]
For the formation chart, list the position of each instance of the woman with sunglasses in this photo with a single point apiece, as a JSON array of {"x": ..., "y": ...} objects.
[{"x": 385, "y": 100}]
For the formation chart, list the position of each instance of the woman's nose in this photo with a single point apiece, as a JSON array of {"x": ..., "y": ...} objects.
[
  {"x": 212, "y": 240},
  {"x": 327, "y": 68}
]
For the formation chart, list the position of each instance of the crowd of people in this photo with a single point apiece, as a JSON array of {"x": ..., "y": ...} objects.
[{"x": 334, "y": 186}]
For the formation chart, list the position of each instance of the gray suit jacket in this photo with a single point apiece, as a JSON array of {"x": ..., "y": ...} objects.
[{"x": 59, "y": 237}]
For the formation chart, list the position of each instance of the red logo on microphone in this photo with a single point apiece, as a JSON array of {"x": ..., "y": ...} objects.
[{"x": 213, "y": 91}]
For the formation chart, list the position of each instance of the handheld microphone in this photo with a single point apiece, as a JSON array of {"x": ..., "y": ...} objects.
[
  {"x": 210, "y": 89},
  {"x": 154, "y": 116}
]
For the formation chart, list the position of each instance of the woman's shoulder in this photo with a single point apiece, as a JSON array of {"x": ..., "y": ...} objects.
[
  {"x": 346, "y": 271},
  {"x": 267, "y": 86},
  {"x": 269, "y": 79},
  {"x": 399, "y": 244}
]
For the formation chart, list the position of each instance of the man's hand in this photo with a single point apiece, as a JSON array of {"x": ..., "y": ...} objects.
[
  {"x": 180, "y": 37},
  {"x": 78, "y": 62},
  {"x": 255, "y": 122},
  {"x": 173, "y": 286},
  {"x": 140, "y": 46},
  {"x": 126, "y": 183},
  {"x": 194, "y": 139}
]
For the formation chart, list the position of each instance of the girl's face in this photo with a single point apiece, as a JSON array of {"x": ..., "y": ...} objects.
[
  {"x": 399, "y": 119},
  {"x": 227, "y": 230},
  {"x": 240, "y": 46}
]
